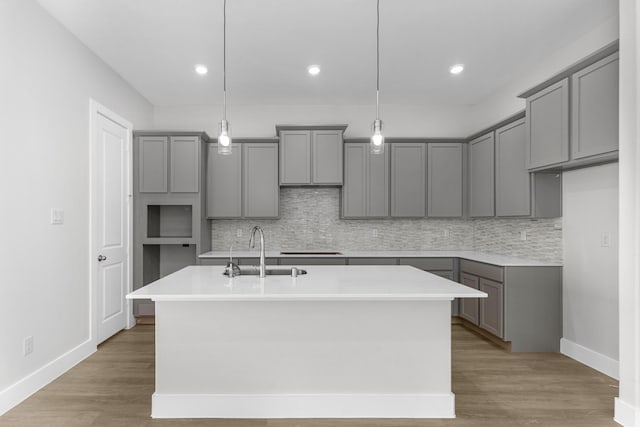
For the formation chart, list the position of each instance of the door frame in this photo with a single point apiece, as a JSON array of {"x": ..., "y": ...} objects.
[{"x": 95, "y": 109}]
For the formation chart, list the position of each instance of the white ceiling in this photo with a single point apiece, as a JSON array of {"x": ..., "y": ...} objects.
[{"x": 154, "y": 45}]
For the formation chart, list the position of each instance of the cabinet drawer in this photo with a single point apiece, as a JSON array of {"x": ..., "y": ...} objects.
[
  {"x": 483, "y": 270},
  {"x": 373, "y": 261},
  {"x": 312, "y": 261},
  {"x": 429, "y": 263}
]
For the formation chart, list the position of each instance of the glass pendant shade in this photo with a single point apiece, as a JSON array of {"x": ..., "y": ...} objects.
[
  {"x": 224, "y": 138},
  {"x": 377, "y": 137}
]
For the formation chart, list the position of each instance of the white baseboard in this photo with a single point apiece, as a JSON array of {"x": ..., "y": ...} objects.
[
  {"x": 19, "y": 391},
  {"x": 593, "y": 359},
  {"x": 626, "y": 415},
  {"x": 303, "y": 406}
]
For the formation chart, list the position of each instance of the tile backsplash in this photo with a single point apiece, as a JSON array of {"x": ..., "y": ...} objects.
[{"x": 310, "y": 220}]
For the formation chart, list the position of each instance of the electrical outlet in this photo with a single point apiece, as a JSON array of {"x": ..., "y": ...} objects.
[
  {"x": 446, "y": 234},
  {"x": 239, "y": 232},
  {"x": 523, "y": 235},
  {"x": 28, "y": 345},
  {"x": 374, "y": 232}
]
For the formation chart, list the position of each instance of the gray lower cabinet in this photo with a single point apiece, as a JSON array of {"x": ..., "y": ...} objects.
[
  {"x": 594, "y": 109},
  {"x": 445, "y": 179},
  {"x": 481, "y": 176},
  {"x": 469, "y": 306},
  {"x": 408, "y": 179},
  {"x": 548, "y": 126},
  {"x": 261, "y": 193},
  {"x": 524, "y": 303},
  {"x": 224, "y": 182},
  {"x": 310, "y": 156},
  {"x": 365, "y": 192},
  {"x": 490, "y": 308},
  {"x": 513, "y": 180},
  {"x": 243, "y": 184}
]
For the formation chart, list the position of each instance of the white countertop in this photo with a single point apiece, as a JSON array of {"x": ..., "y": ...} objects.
[
  {"x": 487, "y": 258},
  {"x": 321, "y": 283}
]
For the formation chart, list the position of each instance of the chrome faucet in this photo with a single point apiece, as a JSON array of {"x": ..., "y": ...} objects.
[{"x": 252, "y": 244}]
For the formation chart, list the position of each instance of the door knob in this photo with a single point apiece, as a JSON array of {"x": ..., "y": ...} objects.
[{"x": 101, "y": 258}]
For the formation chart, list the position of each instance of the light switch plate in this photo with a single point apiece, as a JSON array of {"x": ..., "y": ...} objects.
[{"x": 57, "y": 216}]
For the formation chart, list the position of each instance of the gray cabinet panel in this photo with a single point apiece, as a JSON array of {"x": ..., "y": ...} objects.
[
  {"x": 468, "y": 307},
  {"x": 327, "y": 157},
  {"x": 153, "y": 158},
  {"x": 354, "y": 191},
  {"x": 429, "y": 264},
  {"x": 594, "y": 124},
  {"x": 372, "y": 261},
  {"x": 489, "y": 271},
  {"x": 408, "y": 180},
  {"x": 224, "y": 183},
  {"x": 260, "y": 180},
  {"x": 513, "y": 181},
  {"x": 313, "y": 261},
  {"x": 185, "y": 164},
  {"x": 481, "y": 176},
  {"x": 444, "y": 180},
  {"x": 548, "y": 126},
  {"x": 491, "y": 308},
  {"x": 377, "y": 184},
  {"x": 295, "y": 155}
]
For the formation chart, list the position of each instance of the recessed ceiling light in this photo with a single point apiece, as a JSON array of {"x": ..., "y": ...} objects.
[
  {"x": 201, "y": 69},
  {"x": 313, "y": 69},
  {"x": 456, "y": 69}
]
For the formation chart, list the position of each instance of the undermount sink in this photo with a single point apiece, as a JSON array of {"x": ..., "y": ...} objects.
[
  {"x": 310, "y": 253},
  {"x": 254, "y": 270}
]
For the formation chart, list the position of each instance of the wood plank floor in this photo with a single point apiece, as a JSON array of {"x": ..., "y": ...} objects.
[{"x": 494, "y": 388}]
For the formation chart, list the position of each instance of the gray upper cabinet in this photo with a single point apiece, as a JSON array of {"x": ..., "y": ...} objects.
[
  {"x": 445, "y": 178},
  {"x": 513, "y": 180},
  {"x": 547, "y": 130},
  {"x": 185, "y": 160},
  {"x": 224, "y": 183},
  {"x": 326, "y": 157},
  {"x": 366, "y": 182},
  {"x": 481, "y": 176},
  {"x": 152, "y": 166},
  {"x": 260, "y": 180},
  {"x": 310, "y": 157},
  {"x": 295, "y": 156},
  {"x": 594, "y": 109},
  {"x": 408, "y": 179}
]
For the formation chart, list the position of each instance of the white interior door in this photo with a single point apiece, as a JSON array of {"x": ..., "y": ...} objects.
[{"x": 111, "y": 228}]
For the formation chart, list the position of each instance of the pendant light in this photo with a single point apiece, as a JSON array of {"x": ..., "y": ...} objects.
[
  {"x": 224, "y": 136},
  {"x": 377, "y": 137}
]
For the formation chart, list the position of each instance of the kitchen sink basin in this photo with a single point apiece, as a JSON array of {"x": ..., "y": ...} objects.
[
  {"x": 310, "y": 253},
  {"x": 254, "y": 270}
]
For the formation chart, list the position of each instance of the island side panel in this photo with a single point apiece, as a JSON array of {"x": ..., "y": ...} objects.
[{"x": 285, "y": 359}]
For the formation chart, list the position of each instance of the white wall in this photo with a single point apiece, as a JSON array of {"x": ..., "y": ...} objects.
[
  {"x": 590, "y": 274},
  {"x": 46, "y": 79},
  {"x": 260, "y": 120},
  {"x": 627, "y": 409}
]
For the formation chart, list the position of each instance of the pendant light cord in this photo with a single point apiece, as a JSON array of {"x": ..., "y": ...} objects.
[
  {"x": 224, "y": 59},
  {"x": 377, "y": 62}
]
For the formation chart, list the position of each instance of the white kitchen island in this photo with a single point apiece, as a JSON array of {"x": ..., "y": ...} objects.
[{"x": 338, "y": 342}]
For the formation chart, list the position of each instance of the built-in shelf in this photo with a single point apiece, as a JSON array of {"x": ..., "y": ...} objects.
[{"x": 175, "y": 221}]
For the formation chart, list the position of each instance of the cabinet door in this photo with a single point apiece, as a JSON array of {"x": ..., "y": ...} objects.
[
  {"x": 185, "y": 164},
  {"x": 481, "y": 176},
  {"x": 491, "y": 308},
  {"x": 594, "y": 106},
  {"x": 513, "y": 181},
  {"x": 295, "y": 157},
  {"x": 408, "y": 180},
  {"x": 444, "y": 180},
  {"x": 327, "y": 157},
  {"x": 468, "y": 307},
  {"x": 377, "y": 183},
  {"x": 354, "y": 191},
  {"x": 260, "y": 184},
  {"x": 224, "y": 183},
  {"x": 152, "y": 164},
  {"x": 547, "y": 130}
]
